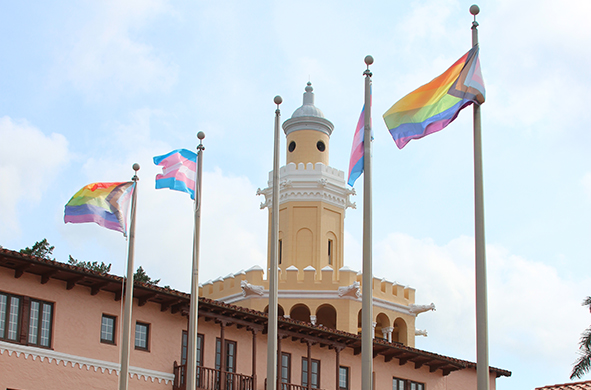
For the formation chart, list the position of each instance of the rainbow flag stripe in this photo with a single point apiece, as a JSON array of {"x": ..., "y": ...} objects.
[
  {"x": 103, "y": 203},
  {"x": 435, "y": 105}
]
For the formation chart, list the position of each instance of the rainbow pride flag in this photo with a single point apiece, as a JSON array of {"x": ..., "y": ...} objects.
[
  {"x": 103, "y": 203},
  {"x": 435, "y": 105},
  {"x": 179, "y": 171}
]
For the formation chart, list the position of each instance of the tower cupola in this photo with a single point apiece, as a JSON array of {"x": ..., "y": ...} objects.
[{"x": 307, "y": 132}]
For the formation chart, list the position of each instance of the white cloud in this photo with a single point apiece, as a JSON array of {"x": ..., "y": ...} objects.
[
  {"x": 233, "y": 230},
  {"x": 535, "y": 315},
  {"x": 29, "y": 162},
  {"x": 107, "y": 58}
]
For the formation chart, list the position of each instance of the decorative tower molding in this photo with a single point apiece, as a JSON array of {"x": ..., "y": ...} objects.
[{"x": 313, "y": 196}]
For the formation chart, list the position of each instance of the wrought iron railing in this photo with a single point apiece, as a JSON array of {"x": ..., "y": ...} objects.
[
  {"x": 212, "y": 379},
  {"x": 291, "y": 386}
]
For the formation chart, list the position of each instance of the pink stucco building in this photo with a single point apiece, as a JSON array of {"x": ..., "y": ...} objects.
[{"x": 60, "y": 329}]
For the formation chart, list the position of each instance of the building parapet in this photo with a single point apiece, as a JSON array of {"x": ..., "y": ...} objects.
[{"x": 253, "y": 283}]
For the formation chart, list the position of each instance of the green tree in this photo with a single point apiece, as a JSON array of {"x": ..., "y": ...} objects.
[
  {"x": 40, "y": 249},
  {"x": 583, "y": 363},
  {"x": 94, "y": 266},
  {"x": 141, "y": 276}
]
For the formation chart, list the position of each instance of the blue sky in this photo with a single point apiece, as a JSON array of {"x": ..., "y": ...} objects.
[{"x": 88, "y": 88}]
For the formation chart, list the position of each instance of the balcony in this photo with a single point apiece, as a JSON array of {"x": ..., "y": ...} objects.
[
  {"x": 292, "y": 386},
  {"x": 212, "y": 379}
]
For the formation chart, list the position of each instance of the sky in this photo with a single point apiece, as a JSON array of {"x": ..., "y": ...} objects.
[{"x": 88, "y": 88}]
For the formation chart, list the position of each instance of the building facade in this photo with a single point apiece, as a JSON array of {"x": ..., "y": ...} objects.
[{"x": 60, "y": 329}]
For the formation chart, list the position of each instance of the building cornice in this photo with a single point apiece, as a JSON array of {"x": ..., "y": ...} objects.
[
  {"x": 81, "y": 362},
  {"x": 309, "y": 183}
]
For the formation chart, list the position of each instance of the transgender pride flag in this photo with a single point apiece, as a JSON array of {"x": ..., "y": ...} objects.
[
  {"x": 178, "y": 171},
  {"x": 357, "y": 150}
]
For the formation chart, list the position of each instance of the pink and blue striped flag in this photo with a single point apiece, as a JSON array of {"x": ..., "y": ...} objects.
[
  {"x": 106, "y": 204},
  {"x": 357, "y": 150},
  {"x": 435, "y": 105},
  {"x": 179, "y": 171}
]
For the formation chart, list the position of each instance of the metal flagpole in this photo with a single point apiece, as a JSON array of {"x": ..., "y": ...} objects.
[
  {"x": 194, "y": 307},
  {"x": 126, "y": 340},
  {"x": 482, "y": 371},
  {"x": 272, "y": 276},
  {"x": 367, "y": 297}
]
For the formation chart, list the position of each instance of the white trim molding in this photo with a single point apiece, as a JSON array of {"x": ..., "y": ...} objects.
[{"x": 82, "y": 362}]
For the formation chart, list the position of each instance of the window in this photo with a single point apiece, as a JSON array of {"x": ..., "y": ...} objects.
[
  {"x": 416, "y": 386},
  {"x": 397, "y": 384},
  {"x": 315, "y": 373},
  {"x": 402, "y": 384},
  {"x": 344, "y": 378},
  {"x": 142, "y": 333},
  {"x": 199, "y": 357},
  {"x": 40, "y": 323},
  {"x": 285, "y": 367},
  {"x": 330, "y": 250},
  {"x": 184, "y": 345},
  {"x": 10, "y": 308},
  {"x": 25, "y": 320},
  {"x": 280, "y": 250},
  {"x": 108, "y": 329},
  {"x": 230, "y": 363}
]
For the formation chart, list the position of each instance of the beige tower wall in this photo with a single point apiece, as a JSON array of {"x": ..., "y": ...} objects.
[
  {"x": 305, "y": 229},
  {"x": 306, "y": 150}
]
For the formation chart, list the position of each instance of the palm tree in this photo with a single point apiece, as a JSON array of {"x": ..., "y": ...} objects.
[{"x": 583, "y": 363}]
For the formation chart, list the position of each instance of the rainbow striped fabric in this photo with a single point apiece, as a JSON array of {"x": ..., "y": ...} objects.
[
  {"x": 106, "y": 204},
  {"x": 435, "y": 105},
  {"x": 179, "y": 171}
]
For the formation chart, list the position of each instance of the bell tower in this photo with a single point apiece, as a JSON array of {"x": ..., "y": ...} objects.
[
  {"x": 314, "y": 286},
  {"x": 313, "y": 196}
]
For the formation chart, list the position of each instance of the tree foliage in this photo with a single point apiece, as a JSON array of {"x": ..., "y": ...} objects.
[
  {"x": 93, "y": 266},
  {"x": 40, "y": 249},
  {"x": 141, "y": 276},
  {"x": 583, "y": 363}
]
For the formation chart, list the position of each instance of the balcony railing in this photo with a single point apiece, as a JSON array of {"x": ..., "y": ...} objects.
[
  {"x": 212, "y": 379},
  {"x": 291, "y": 386}
]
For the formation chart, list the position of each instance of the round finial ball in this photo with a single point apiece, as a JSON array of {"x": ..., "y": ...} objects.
[
  {"x": 278, "y": 100},
  {"x": 474, "y": 9},
  {"x": 368, "y": 60},
  {"x": 136, "y": 167},
  {"x": 201, "y": 135}
]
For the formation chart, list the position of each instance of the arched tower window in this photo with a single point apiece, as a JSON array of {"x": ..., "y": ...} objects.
[
  {"x": 300, "y": 312},
  {"x": 327, "y": 315},
  {"x": 382, "y": 322},
  {"x": 400, "y": 333},
  {"x": 280, "y": 311}
]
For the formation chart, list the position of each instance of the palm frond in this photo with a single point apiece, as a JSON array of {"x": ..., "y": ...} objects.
[{"x": 582, "y": 365}]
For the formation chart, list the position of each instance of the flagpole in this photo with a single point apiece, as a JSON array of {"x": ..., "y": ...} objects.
[
  {"x": 194, "y": 306},
  {"x": 367, "y": 297},
  {"x": 273, "y": 283},
  {"x": 482, "y": 370},
  {"x": 126, "y": 339}
]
